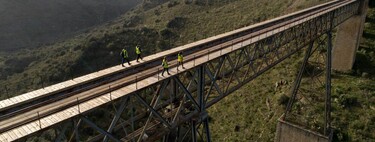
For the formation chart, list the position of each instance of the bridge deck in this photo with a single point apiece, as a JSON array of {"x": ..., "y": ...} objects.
[
  {"x": 33, "y": 95},
  {"x": 93, "y": 103}
]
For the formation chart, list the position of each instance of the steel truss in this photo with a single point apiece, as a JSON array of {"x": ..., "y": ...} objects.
[
  {"x": 175, "y": 108},
  {"x": 312, "y": 84}
]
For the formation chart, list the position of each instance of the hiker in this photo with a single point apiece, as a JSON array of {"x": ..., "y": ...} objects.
[
  {"x": 165, "y": 66},
  {"x": 124, "y": 56},
  {"x": 180, "y": 60},
  {"x": 138, "y": 51}
]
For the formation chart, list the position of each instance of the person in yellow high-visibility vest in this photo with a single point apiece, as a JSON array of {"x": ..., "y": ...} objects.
[
  {"x": 165, "y": 66},
  {"x": 138, "y": 51},
  {"x": 124, "y": 56},
  {"x": 180, "y": 60}
]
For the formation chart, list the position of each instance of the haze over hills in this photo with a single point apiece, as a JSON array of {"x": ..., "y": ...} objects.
[{"x": 32, "y": 23}]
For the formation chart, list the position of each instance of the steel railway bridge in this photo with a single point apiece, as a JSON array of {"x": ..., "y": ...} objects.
[{"x": 136, "y": 103}]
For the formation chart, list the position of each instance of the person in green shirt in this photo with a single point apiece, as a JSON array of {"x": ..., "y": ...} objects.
[
  {"x": 138, "y": 51},
  {"x": 165, "y": 66},
  {"x": 125, "y": 56},
  {"x": 180, "y": 60}
]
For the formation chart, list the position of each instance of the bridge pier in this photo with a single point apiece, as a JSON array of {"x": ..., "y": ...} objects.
[
  {"x": 347, "y": 40},
  {"x": 288, "y": 132}
]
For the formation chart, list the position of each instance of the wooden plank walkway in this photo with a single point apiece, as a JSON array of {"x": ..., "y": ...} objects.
[
  {"x": 30, "y": 96},
  {"x": 36, "y": 94},
  {"x": 61, "y": 116},
  {"x": 33, "y": 95}
]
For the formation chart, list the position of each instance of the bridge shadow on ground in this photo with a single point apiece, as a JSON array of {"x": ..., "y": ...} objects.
[
  {"x": 365, "y": 58},
  {"x": 370, "y": 20},
  {"x": 369, "y": 35},
  {"x": 372, "y": 4},
  {"x": 364, "y": 63}
]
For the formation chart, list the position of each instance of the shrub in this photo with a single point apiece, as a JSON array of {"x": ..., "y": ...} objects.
[
  {"x": 176, "y": 23},
  {"x": 372, "y": 3},
  {"x": 339, "y": 135},
  {"x": 156, "y": 12},
  {"x": 78, "y": 47},
  {"x": 133, "y": 21},
  {"x": 363, "y": 62},
  {"x": 149, "y": 4},
  {"x": 339, "y": 90},
  {"x": 172, "y": 4},
  {"x": 167, "y": 33},
  {"x": 310, "y": 69},
  {"x": 188, "y": 1},
  {"x": 348, "y": 101},
  {"x": 283, "y": 100},
  {"x": 62, "y": 53},
  {"x": 17, "y": 64},
  {"x": 163, "y": 44},
  {"x": 368, "y": 87},
  {"x": 111, "y": 45},
  {"x": 200, "y": 2}
]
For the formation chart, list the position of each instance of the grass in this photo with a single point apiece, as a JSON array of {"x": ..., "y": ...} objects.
[{"x": 254, "y": 108}]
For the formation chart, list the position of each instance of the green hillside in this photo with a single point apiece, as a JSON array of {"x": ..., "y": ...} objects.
[{"x": 250, "y": 113}]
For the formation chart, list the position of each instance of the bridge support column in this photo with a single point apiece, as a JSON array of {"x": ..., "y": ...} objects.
[
  {"x": 327, "y": 124},
  {"x": 75, "y": 133},
  {"x": 297, "y": 83},
  {"x": 312, "y": 70},
  {"x": 347, "y": 41},
  {"x": 193, "y": 132},
  {"x": 208, "y": 135},
  {"x": 116, "y": 117},
  {"x": 202, "y": 103}
]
